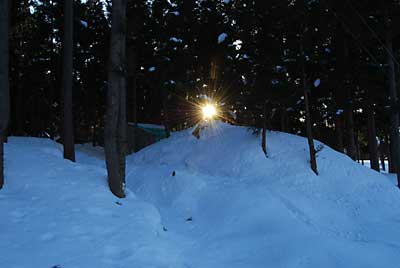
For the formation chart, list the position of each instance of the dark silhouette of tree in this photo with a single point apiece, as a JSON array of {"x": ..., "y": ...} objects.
[
  {"x": 309, "y": 132},
  {"x": 393, "y": 94},
  {"x": 4, "y": 80},
  {"x": 116, "y": 121},
  {"x": 68, "y": 121}
]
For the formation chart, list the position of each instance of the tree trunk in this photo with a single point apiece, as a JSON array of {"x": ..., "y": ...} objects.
[
  {"x": 68, "y": 123},
  {"x": 1, "y": 161},
  {"x": 19, "y": 109},
  {"x": 116, "y": 121},
  {"x": 4, "y": 80},
  {"x": 340, "y": 84},
  {"x": 372, "y": 143},
  {"x": 313, "y": 160},
  {"x": 165, "y": 112},
  {"x": 264, "y": 130},
  {"x": 358, "y": 149},
  {"x": 393, "y": 98},
  {"x": 382, "y": 152},
  {"x": 390, "y": 158},
  {"x": 339, "y": 131},
  {"x": 351, "y": 144}
]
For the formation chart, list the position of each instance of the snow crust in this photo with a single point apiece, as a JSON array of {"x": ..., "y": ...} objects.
[{"x": 216, "y": 201}]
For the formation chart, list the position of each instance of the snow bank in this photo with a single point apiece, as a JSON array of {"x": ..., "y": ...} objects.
[
  {"x": 216, "y": 201},
  {"x": 251, "y": 211},
  {"x": 54, "y": 212}
]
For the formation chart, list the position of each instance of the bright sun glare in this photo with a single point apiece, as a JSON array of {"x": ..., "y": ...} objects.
[{"x": 209, "y": 111}]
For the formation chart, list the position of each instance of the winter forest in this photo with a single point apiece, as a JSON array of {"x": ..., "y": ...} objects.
[{"x": 199, "y": 133}]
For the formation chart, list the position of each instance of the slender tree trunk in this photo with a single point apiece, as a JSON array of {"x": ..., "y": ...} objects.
[
  {"x": 4, "y": 80},
  {"x": 94, "y": 132},
  {"x": 313, "y": 160},
  {"x": 382, "y": 151},
  {"x": 358, "y": 151},
  {"x": 19, "y": 110},
  {"x": 340, "y": 84},
  {"x": 339, "y": 131},
  {"x": 372, "y": 143},
  {"x": 343, "y": 93},
  {"x": 1, "y": 161},
  {"x": 94, "y": 120},
  {"x": 264, "y": 130},
  {"x": 68, "y": 121},
  {"x": 394, "y": 116},
  {"x": 116, "y": 121},
  {"x": 390, "y": 157},
  {"x": 165, "y": 112},
  {"x": 350, "y": 133}
]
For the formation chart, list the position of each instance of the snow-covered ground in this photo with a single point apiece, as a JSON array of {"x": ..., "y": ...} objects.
[
  {"x": 207, "y": 203},
  {"x": 367, "y": 163}
]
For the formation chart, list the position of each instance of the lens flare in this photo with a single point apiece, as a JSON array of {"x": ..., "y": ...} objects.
[{"x": 209, "y": 111}]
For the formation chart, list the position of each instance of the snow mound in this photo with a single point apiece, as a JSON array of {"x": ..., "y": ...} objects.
[
  {"x": 245, "y": 210},
  {"x": 56, "y": 213},
  {"x": 216, "y": 201}
]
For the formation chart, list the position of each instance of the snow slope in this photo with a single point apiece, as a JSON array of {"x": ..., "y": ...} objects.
[
  {"x": 55, "y": 213},
  {"x": 213, "y": 202}
]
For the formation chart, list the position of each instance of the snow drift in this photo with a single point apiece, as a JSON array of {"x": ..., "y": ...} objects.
[{"x": 216, "y": 201}]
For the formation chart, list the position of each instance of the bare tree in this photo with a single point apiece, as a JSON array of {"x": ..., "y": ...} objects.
[
  {"x": 116, "y": 121},
  {"x": 68, "y": 121},
  {"x": 4, "y": 82},
  {"x": 372, "y": 142},
  {"x": 313, "y": 160},
  {"x": 393, "y": 97},
  {"x": 264, "y": 130}
]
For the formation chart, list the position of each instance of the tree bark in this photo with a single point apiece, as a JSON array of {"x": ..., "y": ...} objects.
[
  {"x": 68, "y": 121},
  {"x": 4, "y": 80},
  {"x": 393, "y": 98},
  {"x": 116, "y": 121}
]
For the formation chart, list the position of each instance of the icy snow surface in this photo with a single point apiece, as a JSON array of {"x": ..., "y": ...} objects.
[{"x": 208, "y": 203}]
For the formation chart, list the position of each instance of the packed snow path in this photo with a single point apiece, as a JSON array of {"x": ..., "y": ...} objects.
[{"x": 213, "y": 202}]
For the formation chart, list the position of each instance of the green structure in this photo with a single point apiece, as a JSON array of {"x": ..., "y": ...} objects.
[{"x": 143, "y": 135}]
